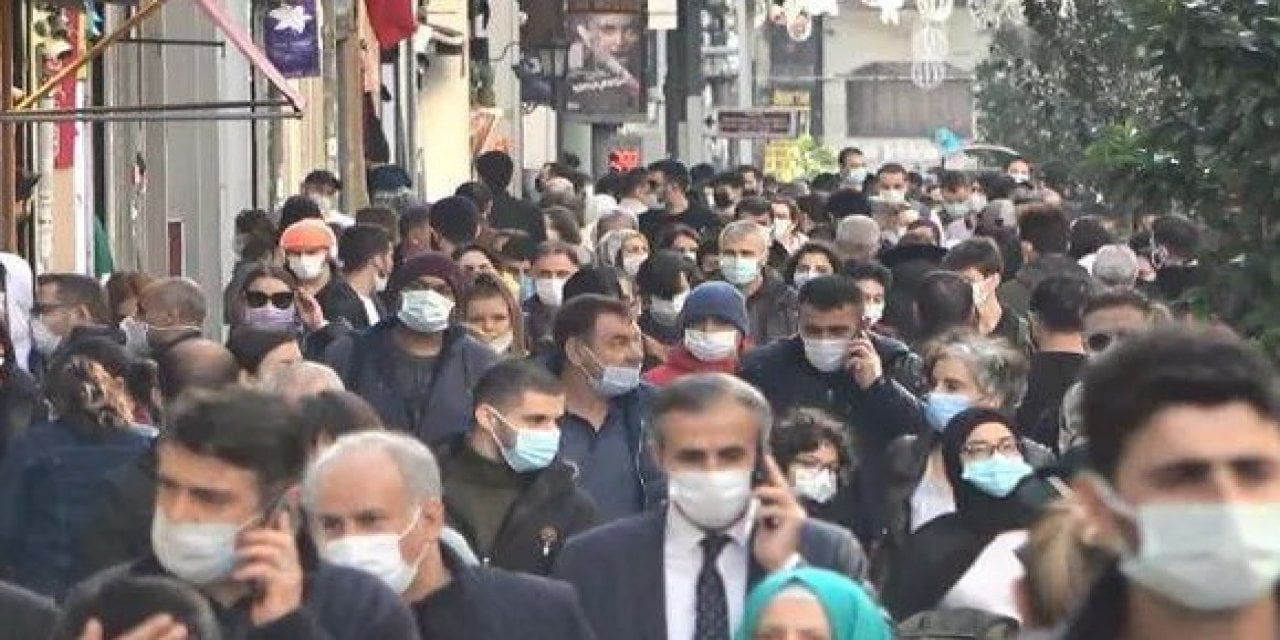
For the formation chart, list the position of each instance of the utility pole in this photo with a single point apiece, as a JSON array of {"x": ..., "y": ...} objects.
[
  {"x": 349, "y": 104},
  {"x": 746, "y": 73},
  {"x": 8, "y": 131},
  {"x": 504, "y": 46}
]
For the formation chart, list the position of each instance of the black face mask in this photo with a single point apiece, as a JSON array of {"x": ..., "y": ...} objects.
[{"x": 723, "y": 200}]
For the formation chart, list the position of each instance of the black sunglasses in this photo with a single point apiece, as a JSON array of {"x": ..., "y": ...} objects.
[
  {"x": 1097, "y": 342},
  {"x": 258, "y": 299}
]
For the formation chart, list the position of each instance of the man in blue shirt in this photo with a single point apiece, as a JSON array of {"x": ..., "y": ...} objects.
[{"x": 598, "y": 356}]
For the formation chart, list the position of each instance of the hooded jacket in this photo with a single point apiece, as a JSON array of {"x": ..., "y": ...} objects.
[
  {"x": 364, "y": 361},
  {"x": 549, "y": 509},
  {"x": 681, "y": 363}
]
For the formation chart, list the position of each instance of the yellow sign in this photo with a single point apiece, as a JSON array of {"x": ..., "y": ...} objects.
[{"x": 782, "y": 159}]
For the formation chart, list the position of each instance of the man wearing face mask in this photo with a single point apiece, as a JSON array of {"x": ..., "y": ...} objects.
[
  {"x": 552, "y": 266},
  {"x": 309, "y": 246},
  {"x": 599, "y": 351},
  {"x": 323, "y": 188},
  {"x": 367, "y": 261},
  {"x": 832, "y": 365},
  {"x": 170, "y": 311},
  {"x": 375, "y": 500},
  {"x": 744, "y": 250},
  {"x": 417, "y": 367},
  {"x": 853, "y": 168},
  {"x": 670, "y": 182},
  {"x": 1184, "y": 485},
  {"x": 507, "y": 490},
  {"x": 958, "y": 207},
  {"x": 69, "y": 307},
  {"x": 978, "y": 260},
  {"x": 684, "y": 571},
  {"x": 727, "y": 192},
  {"x": 228, "y": 466},
  {"x": 900, "y": 362}
]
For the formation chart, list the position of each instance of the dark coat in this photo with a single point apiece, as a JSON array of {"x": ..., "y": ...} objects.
[
  {"x": 363, "y": 362},
  {"x": 339, "y": 300},
  {"x": 618, "y": 571},
  {"x": 549, "y": 510},
  {"x": 1052, "y": 373},
  {"x": 337, "y": 604},
  {"x": 485, "y": 603},
  {"x": 874, "y": 417},
  {"x": 21, "y": 404},
  {"x": 512, "y": 213},
  {"x": 26, "y": 615},
  {"x": 539, "y": 321},
  {"x": 121, "y": 518},
  {"x": 773, "y": 310},
  {"x": 50, "y": 481}
]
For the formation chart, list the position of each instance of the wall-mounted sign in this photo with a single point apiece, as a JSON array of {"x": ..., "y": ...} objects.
[
  {"x": 606, "y": 6},
  {"x": 291, "y": 38},
  {"x": 606, "y": 80},
  {"x": 761, "y": 123}
]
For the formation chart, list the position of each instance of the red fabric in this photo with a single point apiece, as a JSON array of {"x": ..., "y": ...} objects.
[
  {"x": 392, "y": 20},
  {"x": 681, "y": 363}
]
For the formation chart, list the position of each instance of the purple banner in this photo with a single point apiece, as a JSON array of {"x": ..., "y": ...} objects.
[{"x": 290, "y": 36}]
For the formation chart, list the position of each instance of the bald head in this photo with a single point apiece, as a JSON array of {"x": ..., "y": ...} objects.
[
  {"x": 195, "y": 364},
  {"x": 296, "y": 381}
]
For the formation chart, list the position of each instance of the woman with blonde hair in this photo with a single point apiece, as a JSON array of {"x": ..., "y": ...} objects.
[
  {"x": 493, "y": 316},
  {"x": 1061, "y": 561}
]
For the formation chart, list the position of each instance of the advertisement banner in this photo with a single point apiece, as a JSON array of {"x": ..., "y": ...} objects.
[
  {"x": 291, "y": 38},
  {"x": 606, "y": 67}
]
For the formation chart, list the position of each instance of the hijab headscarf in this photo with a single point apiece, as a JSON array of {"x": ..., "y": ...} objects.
[
  {"x": 851, "y": 613},
  {"x": 936, "y": 556}
]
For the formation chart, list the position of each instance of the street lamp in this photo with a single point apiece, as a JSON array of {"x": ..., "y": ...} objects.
[{"x": 553, "y": 57}]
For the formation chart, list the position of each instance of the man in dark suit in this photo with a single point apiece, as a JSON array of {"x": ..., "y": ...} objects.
[
  {"x": 684, "y": 572},
  {"x": 495, "y": 169},
  {"x": 375, "y": 502}
]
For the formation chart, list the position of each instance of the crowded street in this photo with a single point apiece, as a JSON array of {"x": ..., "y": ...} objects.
[{"x": 622, "y": 320}]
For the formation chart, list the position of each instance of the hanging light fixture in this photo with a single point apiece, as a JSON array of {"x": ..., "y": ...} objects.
[{"x": 929, "y": 50}]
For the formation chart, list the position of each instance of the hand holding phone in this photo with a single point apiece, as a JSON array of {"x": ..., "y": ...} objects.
[
  {"x": 780, "y": 517},
  {"x": 864, "y": 361},
  {"x": 269, "y": 560}
]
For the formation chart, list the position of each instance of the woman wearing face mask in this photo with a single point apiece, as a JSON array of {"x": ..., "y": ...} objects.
[
  {"x": 786, "y": 224},
  {"x": 493, "y": 316},
  {"x": 632, "y": 253},
  {"x": 813, "y": 260},
  {"x": 417, "y": 368},
  {"x": 812, "y": 448},
  {"x": 966, "y": 559},
  {"x": 683, "y": 240},
  {"x": 51, "y": 472},
  {"x": 811, "y": 603},
  {"x": 665, "y": 282},
  {"x": 964, "y": 370},
  {"x": 714, "y": 330}
]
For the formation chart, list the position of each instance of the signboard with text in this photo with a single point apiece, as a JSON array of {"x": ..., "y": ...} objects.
[{"x": 760, "y": 123}]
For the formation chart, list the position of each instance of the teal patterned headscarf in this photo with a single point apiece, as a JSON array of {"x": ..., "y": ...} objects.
[{"x": 852, "y": 614}]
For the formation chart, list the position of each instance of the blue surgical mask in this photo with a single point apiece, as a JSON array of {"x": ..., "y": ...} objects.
[
  {"x": 940, "y": 408},
  {"x": 998, "y": 475},
  {"x": 614, "y": 380},
  {"x": 739, "y": 271},
  {"x": 533, "y": 450}
]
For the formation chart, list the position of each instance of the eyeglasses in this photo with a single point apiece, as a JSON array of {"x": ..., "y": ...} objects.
[
  {"x": 984, "y": 450},
  {"x": 1098, "y": 342},
  {"x": 258, "y": 299}
]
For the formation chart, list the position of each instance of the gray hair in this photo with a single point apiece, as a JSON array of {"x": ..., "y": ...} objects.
[
  {"x": 182, "y": 296},
  {"x": 298, "y": 380},
  {"x": 999, "y": 370},
  {"x": 740, "y": 229},
  {"x": 700, "y": 393},
  {"x": 415, "y": 462},
  {"x": 1116, "y": 265},
  {"x": 858, "y": 234}
]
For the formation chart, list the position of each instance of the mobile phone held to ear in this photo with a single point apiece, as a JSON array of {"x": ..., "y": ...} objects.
[
  {"x": 256, "y": 589},
  {"x": 760, "y": 477}
]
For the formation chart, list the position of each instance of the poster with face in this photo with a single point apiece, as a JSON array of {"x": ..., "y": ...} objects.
[{"x": 606, "y": 67}]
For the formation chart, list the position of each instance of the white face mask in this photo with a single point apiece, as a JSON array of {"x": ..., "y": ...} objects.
[
  {"x": 378, "y": 554},
  {"x": 308, "y": 266},
  {"x": 502, "y": 343},
  {"x": 802, "y": 277},
  {"x": 667, "y": 311},
  {"x": 202, "y": 553},
  {"x": 872, "y": 313},
  {"x": 47, "y": 342},
  {"x": 631, "y": 264},
  {"x": 980, "y": 294},
  {"x": 816, "y": 484},
  {"x": 893, "y": 196},
  {"x": 1214, "y": 556},
  {"x": 711, "y": 346},
  {"x": 425, "y": 311},
  {"x": 712, "y": 500},
  {"x": 781, "y": 228},
  {"x": 381, "y": 283},
  {"x": 550, "y": 291},
  {"x": 826, "y": 356}
]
